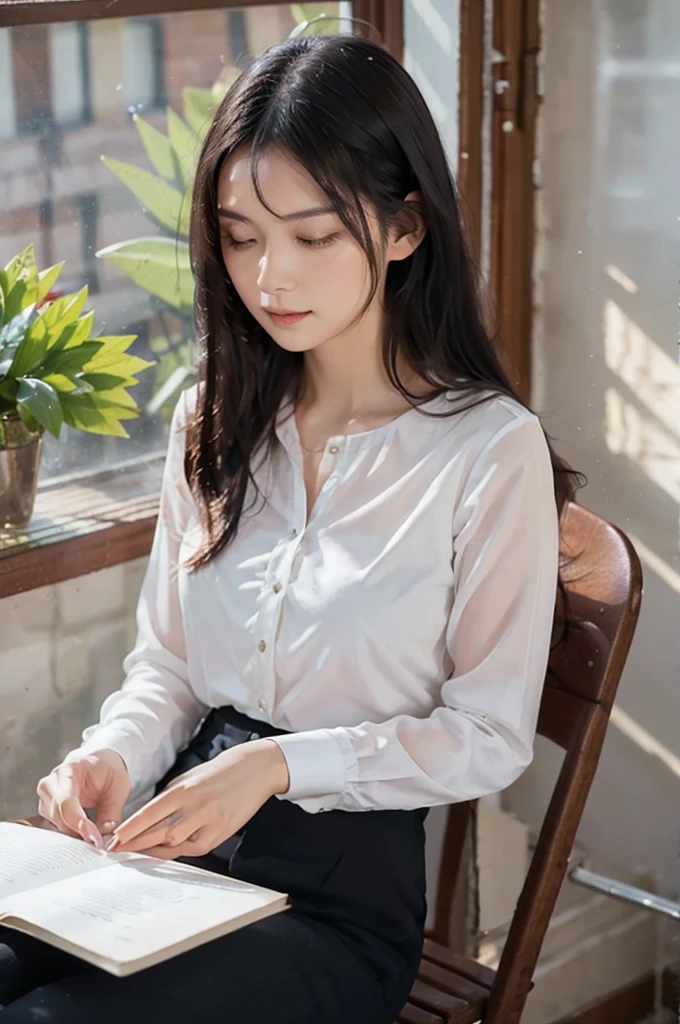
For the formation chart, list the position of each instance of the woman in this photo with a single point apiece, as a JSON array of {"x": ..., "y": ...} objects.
[{"x": 350, "y": 596}]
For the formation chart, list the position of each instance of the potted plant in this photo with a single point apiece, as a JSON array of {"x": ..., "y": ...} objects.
[{"x": 52, "y": 371}]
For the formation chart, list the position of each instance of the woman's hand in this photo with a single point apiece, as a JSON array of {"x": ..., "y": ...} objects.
[
  {"x": 98, "y": 780},
  {"x": 207, "y": 805}
]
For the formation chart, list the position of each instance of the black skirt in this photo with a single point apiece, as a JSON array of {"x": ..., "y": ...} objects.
[{"x": 360, "y": 873}]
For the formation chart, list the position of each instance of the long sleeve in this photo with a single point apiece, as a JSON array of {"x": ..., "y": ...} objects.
[
  {"x": 480, "y": 738},
  {"x": 156, "y": 711}
]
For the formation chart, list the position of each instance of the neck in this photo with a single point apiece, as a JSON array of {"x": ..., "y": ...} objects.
[{"x": 345, "y": 379}]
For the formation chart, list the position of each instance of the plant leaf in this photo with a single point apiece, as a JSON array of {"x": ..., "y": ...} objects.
[
  {"x": 159, "y": 265},
  {"x": 158, "y": 149},
  {"x": 121, "y": 365},
  {"x": 15, "y": 329},
  {"x": 81, "y": 413},
  {"x": 19, "y": 282},
  {"x": 46, "y": 279},
  {"x": 25, "y": 290},
  {"x": 70, "y": 361},
  {"x": 62, "y": 383},
  {"x": 118, "y": 399},
  {"x": 184, "y": 142},
  {"x": 28, "y": 356},
  {"x": 199, "y": 108},
  {"x": 42, "y": 402},
  {"x": 56, "y": 317},
  {"x": 106, "y": 381},
  {"x": 27, "y": 419},
  {"x": 67, "y": 336},
  {"x": 305, "y": 12},
  {"x": 160, "y": 199}
]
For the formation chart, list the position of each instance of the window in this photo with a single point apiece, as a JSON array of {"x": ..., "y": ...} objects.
[
  {"x": 138, "y": 62},
  {"x": 143, "y": 60},
  {"x": 69, "y": 72},
  {"x": 69, "y": 92},
  {"x": 49, "y": 81}
]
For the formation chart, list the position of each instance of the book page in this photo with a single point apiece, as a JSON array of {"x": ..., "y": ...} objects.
[
  {"x": 32, "y": 857},
  {"x": 137, "y": 906}
]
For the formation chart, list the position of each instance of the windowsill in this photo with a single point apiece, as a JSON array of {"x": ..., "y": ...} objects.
[{"x": 81, "y": 525}]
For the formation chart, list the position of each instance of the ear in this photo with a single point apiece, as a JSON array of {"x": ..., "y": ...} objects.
[{"x": 409, "y": 229}]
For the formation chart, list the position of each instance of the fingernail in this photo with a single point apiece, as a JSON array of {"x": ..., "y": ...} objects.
[{"x": 90, "y": 834}]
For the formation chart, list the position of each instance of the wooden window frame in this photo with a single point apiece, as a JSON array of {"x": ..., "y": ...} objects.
[
  {"x": 516, "y": 35},
  {"x": 514, "y": 110},
  {"x": 92, "y": 523}
]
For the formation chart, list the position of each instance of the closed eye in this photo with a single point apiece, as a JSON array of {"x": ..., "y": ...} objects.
[
  {"x": 308, "y": 243},
  {"x": 318, "y": 243},
  {"x": 236, "y": 243}
]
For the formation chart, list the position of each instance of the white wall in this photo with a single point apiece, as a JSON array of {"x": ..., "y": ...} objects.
[{"x": 608, "y": 379}]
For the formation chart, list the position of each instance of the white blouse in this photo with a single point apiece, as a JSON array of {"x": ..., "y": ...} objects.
[{"x": 401, "y": 634}]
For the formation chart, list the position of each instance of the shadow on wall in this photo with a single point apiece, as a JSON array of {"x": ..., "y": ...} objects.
[{"x": 608, "y": 379}]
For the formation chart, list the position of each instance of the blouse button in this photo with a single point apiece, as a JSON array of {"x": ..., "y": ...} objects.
[
  {"x": 261, "y": 705},
  {"x": 277, "y": 588},
  {"x": 262, "y": 646},
  {"x": 334, "y": 449}
]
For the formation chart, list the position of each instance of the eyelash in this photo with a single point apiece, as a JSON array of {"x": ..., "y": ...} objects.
[{"x": 308, "y": 243}]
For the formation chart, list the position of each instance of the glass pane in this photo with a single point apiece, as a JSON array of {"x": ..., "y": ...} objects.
[{"x": 68, "y": 96}]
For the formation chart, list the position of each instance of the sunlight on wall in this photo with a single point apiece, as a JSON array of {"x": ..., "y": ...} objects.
[
  {"x": 641, "y": 364},
  {"x": 644, "y": 740},
  {"x": 630, "y": 433},
  {"x": 650, "y": 437},
  {"x": 618, "y": 275},
  {"x": 655, "y": 563}
]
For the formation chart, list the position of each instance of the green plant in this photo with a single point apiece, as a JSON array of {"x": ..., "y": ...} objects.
[
  {"x": 307, "y": 12},
  {"x": 160, "y": 264},
  {"x": 52, "y": 370}
]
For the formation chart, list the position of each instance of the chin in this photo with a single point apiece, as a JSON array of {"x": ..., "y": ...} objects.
[{"x": 294, "y": 341}]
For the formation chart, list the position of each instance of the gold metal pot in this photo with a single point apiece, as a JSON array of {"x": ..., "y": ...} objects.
[{"x": 20, "y": 451}]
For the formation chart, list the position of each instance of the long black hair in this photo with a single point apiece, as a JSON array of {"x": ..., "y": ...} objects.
[{"x": 347, "y": 112}]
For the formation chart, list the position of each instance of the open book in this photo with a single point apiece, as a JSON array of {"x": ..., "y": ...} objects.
[{"x": 119, "y": 911}]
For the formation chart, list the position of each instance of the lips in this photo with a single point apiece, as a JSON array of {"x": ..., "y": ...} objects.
[{"x": 286, "y": 318}]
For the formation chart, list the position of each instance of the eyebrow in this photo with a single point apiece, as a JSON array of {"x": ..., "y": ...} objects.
[{"x": 316, "y": 211}]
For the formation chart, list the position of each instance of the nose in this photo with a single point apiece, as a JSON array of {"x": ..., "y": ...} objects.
[{"x": 276, "y": 273}]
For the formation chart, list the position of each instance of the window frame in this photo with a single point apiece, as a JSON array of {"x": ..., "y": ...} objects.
[{"x": 116, "y": 527}]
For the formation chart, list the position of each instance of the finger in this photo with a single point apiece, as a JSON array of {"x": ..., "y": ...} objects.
[
  {"x": 74, "y": 817},
  {"x": 171, "y": 831},
  {"x": 196, "y": 846},
  {"x": 50, "y": 813},
  {"x": 109, "y": 813},
  {"x": 148, "y": 817},
  {"x": 60, "y": 806}
]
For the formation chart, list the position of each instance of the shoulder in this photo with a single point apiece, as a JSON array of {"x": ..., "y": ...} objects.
[{"x": 486, "y": 422}]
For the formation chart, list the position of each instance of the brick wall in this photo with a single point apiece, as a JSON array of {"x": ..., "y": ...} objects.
[{"x": 61, "y": 653}]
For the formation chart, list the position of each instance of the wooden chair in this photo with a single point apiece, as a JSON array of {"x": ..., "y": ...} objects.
[{"x": 603, "y": 578}]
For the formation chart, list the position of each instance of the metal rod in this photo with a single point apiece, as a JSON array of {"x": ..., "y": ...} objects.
[{"x": 623, "y": 891}]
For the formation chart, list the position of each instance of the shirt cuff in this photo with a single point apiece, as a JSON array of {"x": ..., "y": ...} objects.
[
  {"x": 110, "y": 738},
  {"x": 318, "y": 764}
]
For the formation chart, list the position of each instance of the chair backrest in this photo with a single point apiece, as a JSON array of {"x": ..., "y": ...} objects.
[{"x": 603, "y": 580}]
